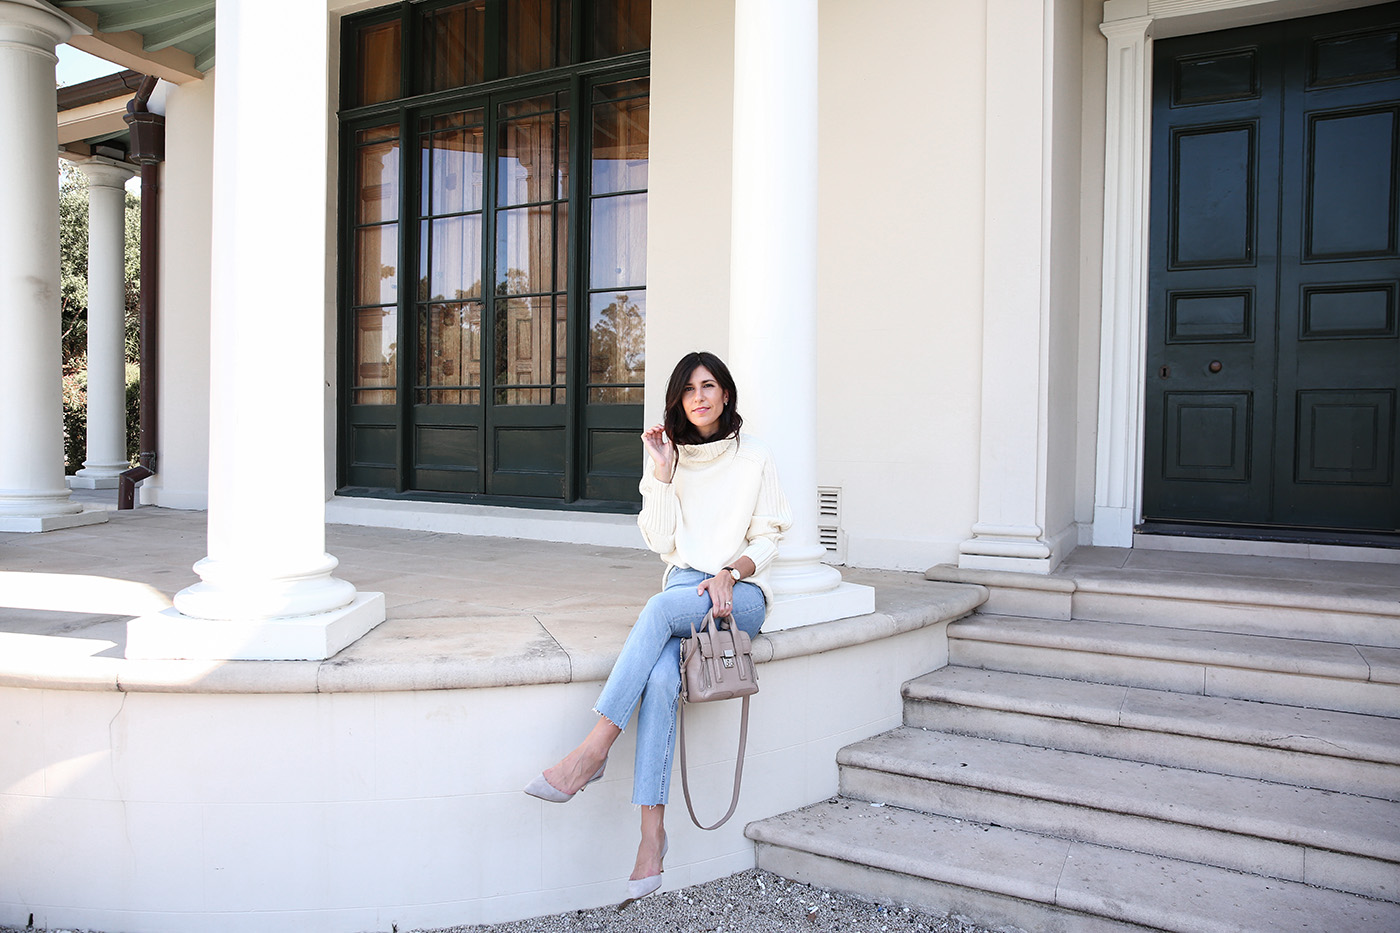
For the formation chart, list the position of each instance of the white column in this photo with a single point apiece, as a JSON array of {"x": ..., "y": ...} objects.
[
  {"x": 33, "y": 494},
  {"x": 1010, "y": 529},
  {"x": 267, "y": 588},
  {"x": 1122, "y": 348},
  {"x": 773, "y": 286},
  {"x": 106, "y": 326}
]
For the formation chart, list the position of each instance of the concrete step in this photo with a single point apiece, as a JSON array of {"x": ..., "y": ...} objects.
[
  {"x": 1299, "y": 672},
  {"x": 1347, "y": 752},
  {"x": 1008, "y": 877},
  {"x": 1225, "y": 593},
  {"x": 1339, "y": 841}
]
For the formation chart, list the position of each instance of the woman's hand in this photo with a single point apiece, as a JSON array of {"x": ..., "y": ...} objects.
[
  {"x": 721, "y": 590},
  {"x": 721, "y": 587},
  {"x": 658, "y": 447}
]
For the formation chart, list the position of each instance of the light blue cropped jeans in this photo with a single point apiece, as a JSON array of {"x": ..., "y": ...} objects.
[{"x": 648, "y": 672}]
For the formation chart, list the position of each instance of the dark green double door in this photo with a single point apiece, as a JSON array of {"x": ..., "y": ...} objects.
[{"x": 1273, "y": 359}]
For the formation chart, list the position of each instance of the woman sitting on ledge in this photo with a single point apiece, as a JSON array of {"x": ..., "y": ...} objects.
[{"x": 713, "y": 509}]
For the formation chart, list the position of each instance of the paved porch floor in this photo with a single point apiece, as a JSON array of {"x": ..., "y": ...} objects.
[
  {"x": 468, "y": 611},
  {"x": 462, "y": 611}
]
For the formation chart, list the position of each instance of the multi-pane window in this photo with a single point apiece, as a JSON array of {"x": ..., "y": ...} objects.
[
  {"x": 374, "y": 288},
  {"x": 494, "y": 278},
  {"x": 617, "y": 303}
]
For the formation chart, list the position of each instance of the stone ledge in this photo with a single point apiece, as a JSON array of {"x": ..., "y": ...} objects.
[
  {"x": 399, "y": 655},
  {"x": 1188, "y": 586}
]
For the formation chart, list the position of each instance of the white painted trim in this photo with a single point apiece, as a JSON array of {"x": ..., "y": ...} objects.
[
  {"x": 1130, "y": 26},
  {"x": 1122, "y": 354},
  {"x": 603, "y": 529}
]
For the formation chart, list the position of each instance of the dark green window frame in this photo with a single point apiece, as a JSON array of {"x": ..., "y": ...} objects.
[{"x": 589, "y": 455}]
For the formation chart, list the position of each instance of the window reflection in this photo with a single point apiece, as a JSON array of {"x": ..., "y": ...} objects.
[
  {"x": 617, "y": 346},
  {"x": 531, "y": 252},
  {"x": 376, "y": 356},
  {"x": 454, "y": 46},
  {"x": 537, "y": 35},
  {"x": 376, "y": 265},
  {"x": 449, "y": 353},
  {"x": 379, "y": 60},
  {"x": 617, "y": 240},
  {"x": 618, "y": 27}
]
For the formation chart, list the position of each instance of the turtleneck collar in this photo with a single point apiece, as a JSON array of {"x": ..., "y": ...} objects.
[{"x": 710, "y": 450}]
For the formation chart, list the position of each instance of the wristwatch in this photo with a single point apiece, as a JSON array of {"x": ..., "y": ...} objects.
[{"x": 733, "y": 573}]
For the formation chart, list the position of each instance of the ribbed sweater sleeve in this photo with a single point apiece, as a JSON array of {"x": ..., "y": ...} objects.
[
  {"x": 660, "y": 511},
  {"x": 771, "y": 517}
]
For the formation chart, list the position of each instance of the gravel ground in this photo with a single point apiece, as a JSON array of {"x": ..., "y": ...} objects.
[
  {"x": 753, "y": 901},
  {"x": 750, "y": 902}
]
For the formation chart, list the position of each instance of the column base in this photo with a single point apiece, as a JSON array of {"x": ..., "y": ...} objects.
[
  {"x": 169, "y": 635},
  {"x": 89, "y": 515},
  {"x": 1018, "y": 549},
  {"x": 1040, "y": 565},
  {"x": 93, "y": 481},
  {"x": 844, "y": 602}
]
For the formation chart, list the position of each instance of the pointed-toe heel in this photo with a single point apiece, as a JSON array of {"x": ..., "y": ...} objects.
[
  {"x": 643, "y": 887},
  {"x": 539, "y": 787}
]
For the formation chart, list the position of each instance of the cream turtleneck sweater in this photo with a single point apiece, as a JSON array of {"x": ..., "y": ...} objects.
[{"x": 724, "y": 502}]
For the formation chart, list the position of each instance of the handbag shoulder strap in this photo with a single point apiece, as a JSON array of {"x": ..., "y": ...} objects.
[{"x": 738, "y": 767}]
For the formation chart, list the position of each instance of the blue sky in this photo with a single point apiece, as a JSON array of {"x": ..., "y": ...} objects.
[{"x": 75, "y": 66}]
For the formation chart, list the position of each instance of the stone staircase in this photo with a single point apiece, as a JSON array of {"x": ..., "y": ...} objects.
[{"x": 1112, "y": 750}]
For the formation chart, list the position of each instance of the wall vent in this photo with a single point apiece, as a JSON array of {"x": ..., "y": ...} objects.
[{"x": 829, "y": 532}]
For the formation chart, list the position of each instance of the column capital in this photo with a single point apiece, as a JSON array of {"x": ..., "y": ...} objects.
[
  {"x": 105, "y": 173},
  {"x": 37, "y": 26},
  {"x": 1128, "y": 30}
]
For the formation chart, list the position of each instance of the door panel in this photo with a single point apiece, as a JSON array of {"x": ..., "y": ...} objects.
[
  {"x": 1211, "y": 289},
  {"x": 1350, "y": 184},
  {"x": 1339, "y": 358},
  {"x": 1273, "y": 358},
  {"x": 1213, "y": 194}
]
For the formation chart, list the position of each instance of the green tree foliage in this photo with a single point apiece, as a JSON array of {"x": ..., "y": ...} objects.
[
  {"x": 617, "y": 351},
  {"x": 73, "y": 256}
]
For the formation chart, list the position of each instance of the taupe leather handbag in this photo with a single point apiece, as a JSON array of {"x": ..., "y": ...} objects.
[{"x": 716, "y": 664}]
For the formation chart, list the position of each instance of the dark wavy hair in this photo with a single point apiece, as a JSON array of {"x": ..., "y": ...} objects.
[{"x": 678, "y": 426}]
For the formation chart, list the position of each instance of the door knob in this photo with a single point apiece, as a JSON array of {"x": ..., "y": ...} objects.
[{"x": 1215, "y": 366}]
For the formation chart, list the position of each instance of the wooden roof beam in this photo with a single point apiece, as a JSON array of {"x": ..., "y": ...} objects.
[{"x": 126, "y": 49}]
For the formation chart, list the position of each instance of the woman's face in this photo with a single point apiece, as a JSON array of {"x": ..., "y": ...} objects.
[{"x": 703, "y": 401}]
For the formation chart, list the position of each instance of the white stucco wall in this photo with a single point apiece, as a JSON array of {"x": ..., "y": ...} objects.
[
  {"x": 900, "y": 252},
  {"x": 688, "y": 209},
  {"x": 902, "y": 166},
  {"x": 182, "y": 480},
  {"x": 327, "y": 812}
]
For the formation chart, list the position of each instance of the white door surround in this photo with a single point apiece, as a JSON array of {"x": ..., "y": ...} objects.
[{"x": 1131, "y": 26}]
